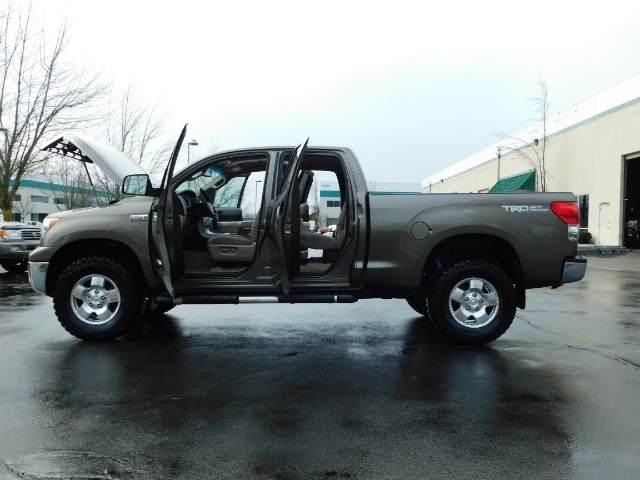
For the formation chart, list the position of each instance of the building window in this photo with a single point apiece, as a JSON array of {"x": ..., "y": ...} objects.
[
  {"x": 333, "y": 203},
  {"x": 583, "y": 205},
  {"x": 17, "y": 197},
  {"x": 39, "y": 199},
  {"x": 58, "y": 201},
  {"x": 16, "y": 217}
]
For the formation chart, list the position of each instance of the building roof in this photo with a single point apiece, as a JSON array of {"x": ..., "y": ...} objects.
[
  {"x": 610, "y": 100},
  {"x": 521, "y": 182}
]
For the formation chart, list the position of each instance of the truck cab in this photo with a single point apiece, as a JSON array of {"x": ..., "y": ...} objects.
[{"x": 206, "y": 242}]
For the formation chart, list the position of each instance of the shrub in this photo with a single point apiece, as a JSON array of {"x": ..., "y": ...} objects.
[{"x": 584, "y": 236}]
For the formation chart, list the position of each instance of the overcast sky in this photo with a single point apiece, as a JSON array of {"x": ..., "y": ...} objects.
[{"x": 411, "y": 87}]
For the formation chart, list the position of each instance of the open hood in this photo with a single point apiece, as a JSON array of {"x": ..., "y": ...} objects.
[{"x": 109, "y": 159}]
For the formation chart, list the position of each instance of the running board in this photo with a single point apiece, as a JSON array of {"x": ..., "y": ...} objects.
[{"x": 235, "y": 299}]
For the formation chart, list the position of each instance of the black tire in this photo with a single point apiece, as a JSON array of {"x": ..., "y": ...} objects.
[
  {"x": 114, "y": 299},
  {"x": 14, "y": 266},
  {"x": 472, "y": 302},
  {"x": 419, "y": 303}
]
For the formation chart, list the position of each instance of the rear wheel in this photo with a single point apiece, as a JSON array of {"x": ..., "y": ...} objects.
[
  {"x": 14, "y": 266},
  {"x": 473, "y": 302},
  {"x": 97, "y": 298}
]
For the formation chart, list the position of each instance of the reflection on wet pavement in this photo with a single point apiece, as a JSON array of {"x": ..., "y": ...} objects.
[
  {"x": 15, "y": 292},
  {"x": 14, "y": 284},
  {"x": 326, "y": 391},
  {"x": 73, "y": 464}
]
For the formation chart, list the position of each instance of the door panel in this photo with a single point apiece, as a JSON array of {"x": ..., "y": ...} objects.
[
  {"x": 292, "y": 231},
  {"x": 168, "y": 232},
  {"x": 286, "y": 221}
]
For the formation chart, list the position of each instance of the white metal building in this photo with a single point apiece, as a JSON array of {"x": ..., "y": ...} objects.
[
  {"x": 593, "y": 150},
  {"x": 36, "y": 198},
  {"x": 40, "y": 195}
]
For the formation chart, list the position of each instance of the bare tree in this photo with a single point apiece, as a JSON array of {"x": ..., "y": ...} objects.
[
  {"x": 40, "y": 93},
  {"x": 533, "y": 149},
  {"x": 214, "y": 146},
  {"x": 136, "y": 130},
  {"x": 69, "y": 184}
]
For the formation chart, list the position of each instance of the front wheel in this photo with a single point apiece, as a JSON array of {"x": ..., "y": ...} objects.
[
  {"x": 14, "y": 266},
  {"x": 97, "y": 298},
  {"x": 473, "y": 302}
]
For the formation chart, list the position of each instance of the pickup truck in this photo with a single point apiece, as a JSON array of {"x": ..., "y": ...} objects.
[
  {"x": 464, "y": 261},
  {"x": 17, "y": 240}
]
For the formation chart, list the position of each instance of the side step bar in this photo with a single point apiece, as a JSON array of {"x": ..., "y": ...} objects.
[{"x": 235, "y": 299}]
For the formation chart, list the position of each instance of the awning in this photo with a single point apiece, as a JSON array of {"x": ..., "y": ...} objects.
[{"x": 522, "y": 182}]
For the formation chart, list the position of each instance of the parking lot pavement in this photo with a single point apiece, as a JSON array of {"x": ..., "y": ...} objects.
[
  {"x": 368, "y": 390},
  {"x": 629, "y": 262}
]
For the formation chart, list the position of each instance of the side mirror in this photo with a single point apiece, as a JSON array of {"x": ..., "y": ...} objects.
[{"x": 136, "y": 184}]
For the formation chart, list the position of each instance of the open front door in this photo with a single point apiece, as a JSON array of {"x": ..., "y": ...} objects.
[
  {"x": 286, "y": 221},
  {"x": 166, "y": 230}
]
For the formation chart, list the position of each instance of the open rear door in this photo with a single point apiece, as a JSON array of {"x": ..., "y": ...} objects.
[
  {"x": 286, "y": 221},
  {"x": 167, "y": 231}
]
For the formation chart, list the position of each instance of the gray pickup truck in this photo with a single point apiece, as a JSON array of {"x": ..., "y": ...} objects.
[
  {"x": 462, "y": 260},
  {"x": 17, "y": 240}
]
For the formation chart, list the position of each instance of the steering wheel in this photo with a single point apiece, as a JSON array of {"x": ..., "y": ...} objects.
[{"x": 209, "y": 208}]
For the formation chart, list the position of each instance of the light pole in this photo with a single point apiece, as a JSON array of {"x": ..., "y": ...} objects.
[
  {"x": 192, "y": 143},
  {"x": 255, "y": 205}
]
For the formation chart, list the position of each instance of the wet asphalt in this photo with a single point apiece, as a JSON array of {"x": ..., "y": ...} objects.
[{"x": 368, "y": 391}]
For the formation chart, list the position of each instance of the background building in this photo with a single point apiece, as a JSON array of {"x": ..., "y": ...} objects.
[
  {"x": 40, "y": 195},
  {"x": 593, "y": 150},
  {"x": 36, "y": 198}
]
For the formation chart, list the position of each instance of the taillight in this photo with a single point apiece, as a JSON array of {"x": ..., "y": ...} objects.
[{"x": 569, "y": 213}]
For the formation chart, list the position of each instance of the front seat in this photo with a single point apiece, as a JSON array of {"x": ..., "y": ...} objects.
[
  {"x": 324, "y": 242},
  {"x": 230, "y": 247}
]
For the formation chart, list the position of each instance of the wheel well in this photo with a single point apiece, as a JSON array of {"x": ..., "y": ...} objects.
[
  {"x": 73, "y": 251},
  {"x": 479, "y": 246}
]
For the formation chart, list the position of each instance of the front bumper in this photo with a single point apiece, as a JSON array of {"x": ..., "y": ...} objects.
[
  {"x": 574, "y": 270},
  {"x": 38, "y": 276},
  {"x": 17, "y": 250}
]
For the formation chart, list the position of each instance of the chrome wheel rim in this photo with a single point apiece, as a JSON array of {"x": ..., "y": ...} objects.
[
  {"x": 474, "y": 302},
  {"x": 95, "y": 299}
]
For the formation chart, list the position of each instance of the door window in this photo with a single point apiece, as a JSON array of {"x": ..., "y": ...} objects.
[
  {"x": 243, "y": 192},
  {"x": 230, "y": 193}
]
